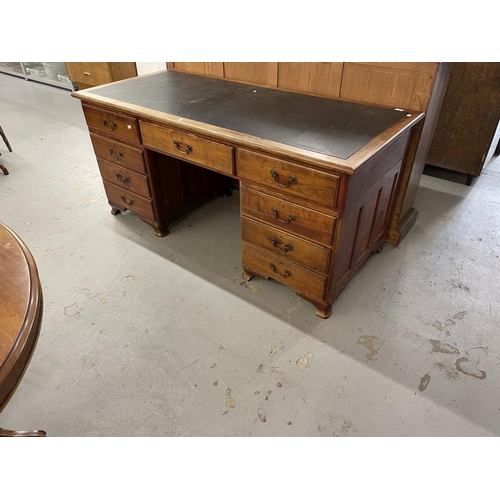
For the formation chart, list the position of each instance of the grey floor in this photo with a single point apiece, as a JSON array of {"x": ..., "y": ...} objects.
[{"x": 145, "y": 336}]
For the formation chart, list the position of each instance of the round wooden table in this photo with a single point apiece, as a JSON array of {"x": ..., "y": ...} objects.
[{"x": 21, "y": 309}]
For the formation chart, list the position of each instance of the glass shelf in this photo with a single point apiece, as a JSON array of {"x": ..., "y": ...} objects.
[{"x": 51, "y": 73}]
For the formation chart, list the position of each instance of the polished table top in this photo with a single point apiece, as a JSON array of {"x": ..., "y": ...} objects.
[{"x": 21, "y": 307}]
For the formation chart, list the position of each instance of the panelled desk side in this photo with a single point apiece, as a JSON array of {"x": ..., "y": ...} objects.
[{"x": 309, "y": 220}]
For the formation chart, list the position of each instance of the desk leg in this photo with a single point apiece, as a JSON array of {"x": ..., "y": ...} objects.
[{"x": 8, "y": 433}]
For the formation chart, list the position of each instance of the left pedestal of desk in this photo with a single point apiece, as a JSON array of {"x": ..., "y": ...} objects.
[{"x": 21, "y": 309}]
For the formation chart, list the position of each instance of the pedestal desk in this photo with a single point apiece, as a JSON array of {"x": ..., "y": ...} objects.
[{"x": 317, "y": 176}]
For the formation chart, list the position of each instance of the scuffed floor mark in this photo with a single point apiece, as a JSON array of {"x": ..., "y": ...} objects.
[
  {"x": 279, "y": 384},
  {"x": 437, "y": 325},
  {"x": 303, "y": 361},
  {"x": 87, "y": 293},
  {"x": 48, "y": 254},
  {"x": 459, "y": 284},
  {"x": 252, "y": 288},
  {"x": 260, "y": 368},
  {"x": 230, "y": 402},
  {"x": 130, "y": 277},
  {"x": 367, "y": 341},
  {"x": 450, "y": 372},
  {"x": 460, "y": 315},
  {"x": 424, "y": 382},
  {"x": 213, "y": 365},
  {"x": 104, "y": 300},
  {"x": 289, "y": 423},
  {"x": 339, "y": 390},
  {"x": 49, "y": 304},
  {"x": 262, "y": 415},
  {"x": 275, "y": 349},
  {"x": 438, "y": 346},
  {"x": 72, "y": 311},
  {"x": 447, "y": 218},
  {"x": 450, "y": 322},
  {"x": 469, "y": 365},
  {"x": 381, "y": 313}
]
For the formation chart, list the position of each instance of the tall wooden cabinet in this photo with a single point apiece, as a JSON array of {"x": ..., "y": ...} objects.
[
  {"x": 468, "y": 130},
  {"x": 91, "y": 74}
]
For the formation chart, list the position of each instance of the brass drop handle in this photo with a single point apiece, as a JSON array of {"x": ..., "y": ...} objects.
[
  {"x": 123, "y": 180},
  {"x": 115, "y": 156},
  {"x": 289, "y": 219},
  {"x": 276, "y": 178},
  {"x": 286, "y": 274},
  {"x": 184, "y": 151},
  {"x": 276, "y": 243},
  {"x": 130, "y": 203},
  {"x": 111, "y": 126}
]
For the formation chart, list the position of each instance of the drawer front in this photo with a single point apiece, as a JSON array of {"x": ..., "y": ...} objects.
[
  {"x": 117, "y": 152},
  {"x": 90, "y": 73},
  {"x": 283, "y": 270},
  {"x": 288, "y": 178},
  {"x": 127, "y": 179},
  {"x": 124, "y": 199},
  {"x": 188, "y": 147},
  {"x": 288, "y": 216},
  {"x": 111, "y": 123},
  {"x": 283, "y": 244}
]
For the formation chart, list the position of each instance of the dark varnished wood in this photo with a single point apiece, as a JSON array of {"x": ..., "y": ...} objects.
[
  {"x": 264, "y": 263},
  {"x": 464, "y": 137},
  {"x": 119, "y": 153},
  {"x": 288, "y": 178},
  {"x": 114, "y": 124},
  {"x": 21, "y": 310},
  {"x": 194, "y": 149},
  {"x": 288, "y": 216},
  {"x": 309, "y": 219},
  {"x": 306, "y": 253}
]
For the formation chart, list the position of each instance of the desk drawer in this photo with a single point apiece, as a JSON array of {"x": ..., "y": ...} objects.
[
  {"x": 188, "y": 147},
  {"x": 127, "y": 179},
  {"x": 283, "y": 270},
  {"x": 117, "y": 152},
  {"x": 288, "y": 178},
  {"x": 288, "y": 216},
  {"x": 283, "y": 244},
  {"x": 124, "y": 199},
  {"x": 111, "y": 123}
]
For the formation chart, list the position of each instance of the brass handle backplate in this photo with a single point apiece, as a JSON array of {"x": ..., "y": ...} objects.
[
  {"x": 286, "y": 274},
  {"x": 115, "y": 156},
  {"x": 276, "y": 178},
  {"x": 111, "y": 125},
  {"x": 123, "y": 180},
  {"x": 275, "y": 242},
  {"x": 184, "y": 151},
  {"x": 86, "y": 73},
  {"x": 129, "y": 203},
  {"x": 289, "y": 219}
]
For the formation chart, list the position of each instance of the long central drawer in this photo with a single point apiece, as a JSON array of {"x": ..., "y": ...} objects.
[
  {"x": 188, "y": 147},
  {"x": 288, "y": 216}
]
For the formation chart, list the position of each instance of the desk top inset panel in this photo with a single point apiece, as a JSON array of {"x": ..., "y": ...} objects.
[{"x": 327, "y": 126}]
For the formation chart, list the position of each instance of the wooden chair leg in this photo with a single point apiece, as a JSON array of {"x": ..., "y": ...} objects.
[
  {"x": 4, "y": 137},
  {"x": 3, "y": 168}
]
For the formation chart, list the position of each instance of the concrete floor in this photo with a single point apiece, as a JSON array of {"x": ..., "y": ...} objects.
[{"x": 145, "y": 336}]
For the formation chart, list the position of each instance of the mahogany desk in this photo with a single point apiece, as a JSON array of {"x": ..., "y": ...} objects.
[
  {"x": 21, "y": 308},
  {"x": 317, "y": 176}
]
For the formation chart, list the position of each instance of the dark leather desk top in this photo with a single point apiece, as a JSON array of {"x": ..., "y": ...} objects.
[{"x": 327, "y": 126}]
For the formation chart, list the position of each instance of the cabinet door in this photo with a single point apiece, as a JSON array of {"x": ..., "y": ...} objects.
[{"x": 89, "y": 73}]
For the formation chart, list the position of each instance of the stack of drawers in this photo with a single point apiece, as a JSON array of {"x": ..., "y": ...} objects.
[
  {"x": 121, "y": 163},
  {"x": 283, "y": 237}
]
